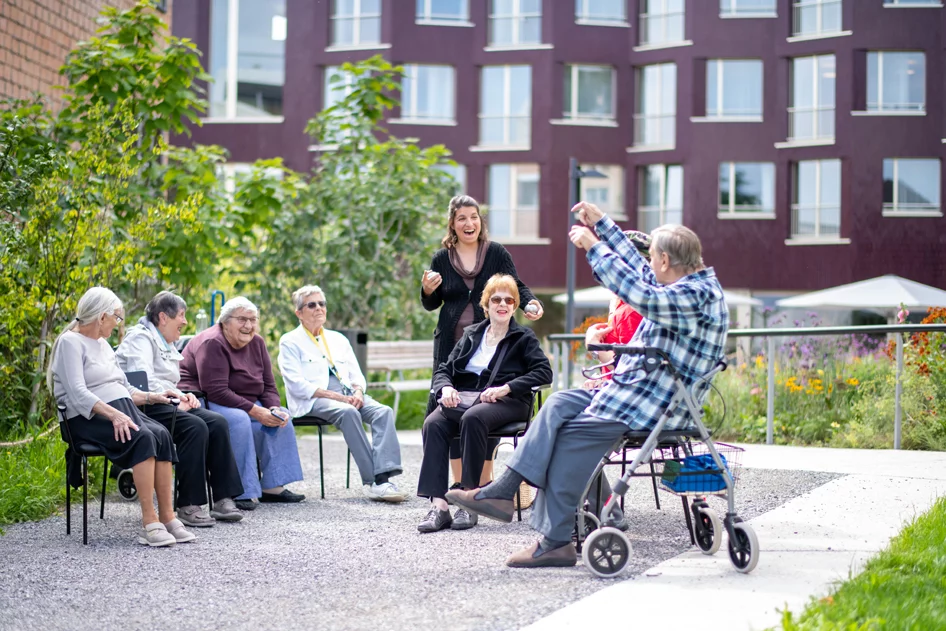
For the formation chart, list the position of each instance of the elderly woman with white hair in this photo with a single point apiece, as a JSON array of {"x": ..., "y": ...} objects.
[
  {"x": 230, "y": 364},
  {"x": 84, "y": 375}
]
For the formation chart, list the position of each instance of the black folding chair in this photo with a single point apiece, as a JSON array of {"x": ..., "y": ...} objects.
[
  {"x": 84, "y": 451},
  {"x": 519, "y": 428},
  {"x": 310, "y": 420},
  {"x": 139, "y": 379}
]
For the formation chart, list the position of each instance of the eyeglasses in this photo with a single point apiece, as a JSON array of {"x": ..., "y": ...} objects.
[
  {"x": 496, "y": 300},
  {"x": 315, "y": 303},
  {"x": 118, "y": 317},
  {"x": 243, "y": 320}
]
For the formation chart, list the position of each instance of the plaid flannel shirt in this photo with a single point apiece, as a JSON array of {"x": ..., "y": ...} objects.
[{"x": 687, "y": 319}]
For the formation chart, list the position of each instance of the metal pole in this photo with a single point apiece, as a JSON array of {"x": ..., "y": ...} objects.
[
  {"x": 570, "y": 266},
  {"x": 899, "y": 391},
  {"x": 770, "y": 393}
]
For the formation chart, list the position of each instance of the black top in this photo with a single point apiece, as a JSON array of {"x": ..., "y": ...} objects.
[
  {"x": 524, "y": 364},
  {"x": 454, "y": 296}
]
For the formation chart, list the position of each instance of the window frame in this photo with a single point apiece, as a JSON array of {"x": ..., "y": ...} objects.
[
  {"x": 514, "y": 206},
  {"x": 616, "y": 210},
  {"x": 819, "y": 207},
  {"x": 820, "y": 4},
  {"x": 640, "y": 119},
  {"x": 735, "y": 13},
  {"x": 815, "y": 109},
  {"x": 913, "y": 4},
  {"x": 644, "y": 23},
  {"x": 357, "y": 17},
  {"x": 428, "y": 18},
  {"x": 506, "y": 116},
  {"x": 720, "y": 87},
  {"x": 413, "y": 116},
  {"x": 899, "y": 108},
  {"x": 731, "y": 210},
  {"x": 895, "y": 208},
  {"x": 516, "y": 16},
  {"x": 661, "y": 208},
  {"x": 582, "y": 16},
  {"x": 572, "y": 113}
]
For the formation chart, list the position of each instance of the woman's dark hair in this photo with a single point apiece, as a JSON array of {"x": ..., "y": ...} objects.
[
  {"x": 164, "y": 302},
  {"x": 458, "y": 202}
]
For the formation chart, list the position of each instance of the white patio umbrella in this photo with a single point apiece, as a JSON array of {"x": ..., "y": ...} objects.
[
  {"x": 884, "y": 292},
  {"x": 600, "y": 297}
]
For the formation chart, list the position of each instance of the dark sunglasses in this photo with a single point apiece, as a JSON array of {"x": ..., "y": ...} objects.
[
  {"x": 314, "y": 304},
  {"x": 509, "y": 300}
]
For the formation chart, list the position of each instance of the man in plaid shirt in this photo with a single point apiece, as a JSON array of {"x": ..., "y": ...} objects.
[{"x": 684, "y": 314}]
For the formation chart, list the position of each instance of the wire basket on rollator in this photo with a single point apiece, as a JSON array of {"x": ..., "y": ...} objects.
[{"x": 689, "y": 469}]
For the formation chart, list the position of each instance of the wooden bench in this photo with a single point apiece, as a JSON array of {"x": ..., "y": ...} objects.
[{"x": 396, "y": 357}]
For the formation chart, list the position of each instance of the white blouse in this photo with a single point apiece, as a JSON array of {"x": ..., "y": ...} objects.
[{"x": 483, "y": 355}]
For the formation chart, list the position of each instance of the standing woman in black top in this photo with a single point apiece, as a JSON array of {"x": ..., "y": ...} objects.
[{"x": 456, "y": 278}]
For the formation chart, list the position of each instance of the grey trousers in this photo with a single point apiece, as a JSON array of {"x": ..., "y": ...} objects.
[
  {"x": 383, "y": 453},
  {"x": 558, "y": 454}
]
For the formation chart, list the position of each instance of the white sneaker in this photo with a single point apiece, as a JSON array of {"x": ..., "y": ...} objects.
[
  {"x": 156, "y": 535},
  {"x": 386, "y": 492},
  {"x": 177, "y": 530}
]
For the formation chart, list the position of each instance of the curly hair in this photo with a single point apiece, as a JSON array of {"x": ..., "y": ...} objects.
[{"x": 458, "y": 202}]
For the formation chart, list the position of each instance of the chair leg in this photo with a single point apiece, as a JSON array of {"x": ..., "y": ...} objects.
[
  {"x": 85, "y": 500},
  {"x": 653, "y": 480},
  {"x": 397, "y": 401},
  {"x": 104, "y": 479},
  {"x": 321, "y": 465},
  {"x": 515, "y": 443},
  {"x": 348, "y": 471},
  {"x": 68, "y": 507}
]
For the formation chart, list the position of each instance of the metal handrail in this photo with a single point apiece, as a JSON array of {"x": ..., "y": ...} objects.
[{"x": 559, "y": 340}]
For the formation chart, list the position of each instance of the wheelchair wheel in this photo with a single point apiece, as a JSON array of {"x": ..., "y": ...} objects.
[
  {"x": 606, "y": 552},
  {"x": 744, "y": 552},
  {"x": 126, "y": 485},
  {"x": 709, "y": 530}
]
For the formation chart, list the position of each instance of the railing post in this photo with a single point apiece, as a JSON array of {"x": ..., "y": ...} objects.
[
  {"x": 770, "y": 392},
  {"x": 555, "y": 369},
  {"x": 899, "y": 390}
]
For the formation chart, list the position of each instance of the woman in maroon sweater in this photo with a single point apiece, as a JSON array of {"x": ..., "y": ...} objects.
[{"x": 230, "y": 364}]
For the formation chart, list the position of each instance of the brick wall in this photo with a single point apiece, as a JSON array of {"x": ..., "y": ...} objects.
[{"x": 36, "y": 36}]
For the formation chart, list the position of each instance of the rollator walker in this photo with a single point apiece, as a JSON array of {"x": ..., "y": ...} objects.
[{"x": 687, "y": 462}]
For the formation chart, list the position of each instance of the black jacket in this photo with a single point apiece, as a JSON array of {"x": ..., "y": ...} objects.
[
  {"x": 524, "y": 365},
  {"x": 454, "y": 296}
]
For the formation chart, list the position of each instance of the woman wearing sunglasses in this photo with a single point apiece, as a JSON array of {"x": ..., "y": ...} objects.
[{"x": 493, "y": 368}]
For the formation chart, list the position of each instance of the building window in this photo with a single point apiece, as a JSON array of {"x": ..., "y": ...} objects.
[
  {"x": 911, "y": 186},
  {"x": 816, "y": 200},
  {"x": 589, "y": 92},
  {"x": 356, "y": 22},
  {"x": 606, "y": 193},
  {"x": 427, "y": 93},
  {"x": 747, "y": 8},
  {"x": 896, "y": 82},
  {"x": 656, "y": 115},
  {"x": 601, "y": 11},
  {"x": 661, "y": 196},
  {"x": 443, "y": 10},
  {"x": 734, "y": 88},
  {"x": 661, "y": 22},
  {"x": 506, "y": 106},
  {"x": 232, "y": 173},
  {"x": 515, "y": 22},
  {"x": 338, "y": 85},
  {"x": 513, "y": 201},
  {"x": 458, "y": 173},
  {"x": 746, "y": 188},
  {"x": 811, "y": 114},
  {"x": 247, "y": 58},
  {"x": 816, "y": 17},
  {"x": 913, "y": 3}
]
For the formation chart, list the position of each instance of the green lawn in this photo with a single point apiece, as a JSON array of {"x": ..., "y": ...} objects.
[
  {"x": 32, "y": 480},
  {"x": 903, "y": 587}
]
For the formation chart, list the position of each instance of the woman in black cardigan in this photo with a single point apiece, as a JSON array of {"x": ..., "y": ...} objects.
[
  {"x": 455, "y": 280},
  {"x": 501, "y": 361}
]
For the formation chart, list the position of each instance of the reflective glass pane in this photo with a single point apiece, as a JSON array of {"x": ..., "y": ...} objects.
[
  {"x": 826, "y": 80},
  {"x": 260, "y": 58},
  {"x": 918, "y": 182},
  {"x": 831, "y": 183},
  {"x": 806, "y": 19},
  {"x": 742, "y": 88},
  {"x": 492, "y": 131},
  {"x": 674, "y": 189},
  {"x": 344, "y": 8},
  {"x": 530, "y": 6},
  {"x": 527, "y": 223},
  {"x": 370, "y": 7},
  {"x": 594, "y": 92},
  {"x": 873, "y": 81},
  {"x": 570, "y": 105},
  {"x": 668, "y": 88},
  {"x": 888, "y": 181},
  {"x": 448, "y": 9},
  {"x": 499, "y": 192},
  {"x": 520, "y": 90},
  {"x": 370, "y": 31},
  {"x": 520, "y": 131},
  {"x": 712, "y": 88},
  {"x": 805, "y": 218},
  {"x": 651, "y": 177},
  {"x": 806, "y": 191},
  {"x": 530, "y": 30},
  {"x": 500, "y": 31},
  {"x": 724, "y": 185},
  {"x": 803, "y": 82},
  {"x": 492, "y": 95},
  {"x": 219, "y": 17},
  {"x": 608, "y": 10},
  {"x": 343, "y": 32},
  {"x": 831, "y": 17}
]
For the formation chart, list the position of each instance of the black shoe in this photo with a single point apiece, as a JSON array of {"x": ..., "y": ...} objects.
[
  {"x": 463, "y": 520},
  {"x": 435, "y": 520},
  {"x": 245, "y": 504},
  {"x": 286, "y": 497}
]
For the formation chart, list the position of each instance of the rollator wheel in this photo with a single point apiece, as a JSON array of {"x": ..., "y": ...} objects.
[
  {"x": 709, "y": 530},
  {"x": 606, "y": 552},
  {"x": 126, "y": 485},
  {"x": 744, "y": 552}
]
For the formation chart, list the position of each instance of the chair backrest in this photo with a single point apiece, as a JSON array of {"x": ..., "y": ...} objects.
[{"x": 138, "y": 379}]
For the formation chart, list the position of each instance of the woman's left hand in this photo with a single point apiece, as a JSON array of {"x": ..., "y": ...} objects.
[
  {"x": 491, "y": 395},
  {"x": 535, "y": 315}
]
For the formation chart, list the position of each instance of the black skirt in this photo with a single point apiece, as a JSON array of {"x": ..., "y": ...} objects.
[{"x": 151, "y": 440}]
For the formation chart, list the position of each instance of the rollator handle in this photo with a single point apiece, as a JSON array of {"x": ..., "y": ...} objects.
[{"x": 653, "y": 357}]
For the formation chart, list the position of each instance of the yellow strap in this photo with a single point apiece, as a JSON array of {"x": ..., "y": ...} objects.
[{"x": 321, "y": 341}]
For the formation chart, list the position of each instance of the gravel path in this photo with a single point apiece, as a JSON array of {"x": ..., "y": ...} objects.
[{"x": 339, "y": 563}]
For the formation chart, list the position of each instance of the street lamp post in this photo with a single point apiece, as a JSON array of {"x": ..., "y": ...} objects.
[{"x": 575, "y": 173}]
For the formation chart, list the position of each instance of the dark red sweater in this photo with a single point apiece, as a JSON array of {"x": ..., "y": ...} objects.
[{"x": 234, "y": 378}]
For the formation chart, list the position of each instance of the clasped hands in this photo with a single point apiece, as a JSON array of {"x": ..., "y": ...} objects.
[{"x": 450, "y": 398}]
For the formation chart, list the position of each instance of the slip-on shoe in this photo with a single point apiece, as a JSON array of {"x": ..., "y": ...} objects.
[
  {"x": 500, "y": 510},
  {"x": 285, "y": 497},
  {"x": 533, "y": 557}
]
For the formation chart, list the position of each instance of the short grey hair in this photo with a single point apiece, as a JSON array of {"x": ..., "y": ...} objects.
[
  {"x": 232, "y": 305},
  {"x": 164, "y": 302},
  {"x": 680, "y": 244},
  {"x": 93, "y": 304},
  {"x": 299, "y": 295}
]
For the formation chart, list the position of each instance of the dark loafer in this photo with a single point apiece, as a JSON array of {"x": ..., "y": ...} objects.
[
  {"x": 435, "y": 520},
  {"x": 533, "y": 557},
  {"x": 286, "y": 497},
  {"x": 500, "y": 510}
]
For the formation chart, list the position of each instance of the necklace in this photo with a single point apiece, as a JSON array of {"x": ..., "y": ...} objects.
[{"x": 492, "y": 338}]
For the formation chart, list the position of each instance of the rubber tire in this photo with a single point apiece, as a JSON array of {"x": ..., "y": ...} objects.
[
  {"x": 126, "y": 485},
  {"x": 600, "y": 549},
  {"x": 714, "y": 529},
  {"x": 746, "y": 561}
]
